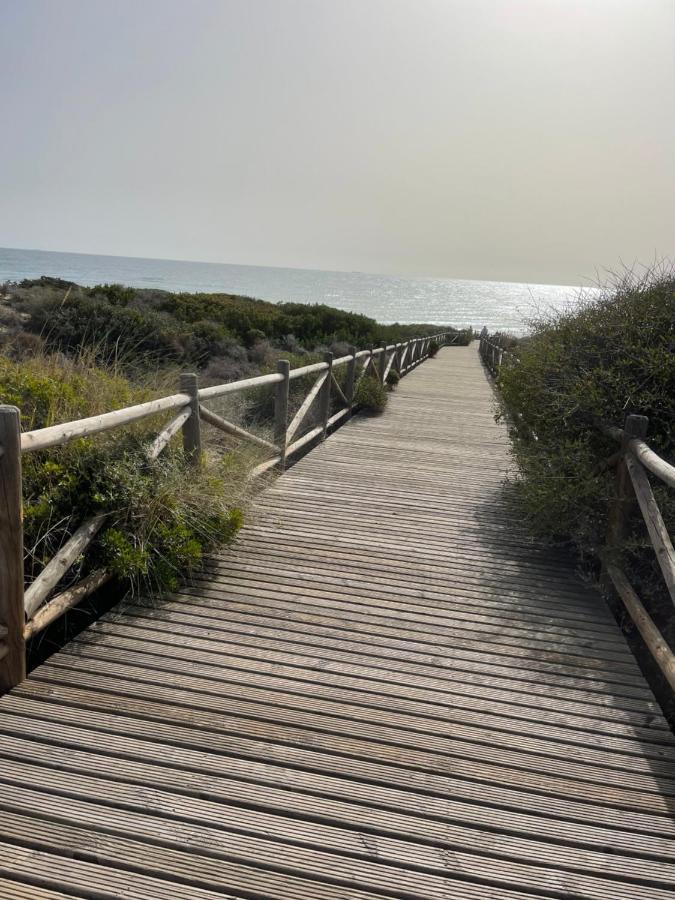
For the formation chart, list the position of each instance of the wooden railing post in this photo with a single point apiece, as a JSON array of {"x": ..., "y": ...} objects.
[
  {"x": 624, "y": 500},
  {"x": 12, "y": 616},
  {"x": 350, "y": 380},
  {"x": 382, "y": 362},
  {"x": 325, "y": 394},
  {"x": 192, "y": 438},
  {"x": 281, "y": 410}
]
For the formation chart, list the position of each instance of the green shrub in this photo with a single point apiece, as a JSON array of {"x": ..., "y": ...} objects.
[
  {"x": 598, "y": 364},
  {"x": 116, "y": 333},
  {"x": 124, "y": 323},
  {"x": 370, "y": 395},
  {"x": 393, "y": 378},
  {"x": 53, "y": 388},
  {"x": 158, "y": 526},
  {"x": 432, "y": 350},
  {"x": 462, "y": 338}
]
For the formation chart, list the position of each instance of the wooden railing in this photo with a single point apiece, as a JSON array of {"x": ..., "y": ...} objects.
[
  {"x": 632, "y": 490},
  {"x": 25, "y": 612},
  {"x": 492, "y": 354}
]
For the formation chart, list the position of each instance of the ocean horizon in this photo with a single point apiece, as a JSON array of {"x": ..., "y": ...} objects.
[{"x": 500, "y": 305}]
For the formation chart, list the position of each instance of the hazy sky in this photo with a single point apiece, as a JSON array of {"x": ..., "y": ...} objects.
[{"x": 507, "y": 139}]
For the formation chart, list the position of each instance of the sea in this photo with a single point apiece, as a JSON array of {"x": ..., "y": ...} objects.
[{"x": 499, "y": 305}]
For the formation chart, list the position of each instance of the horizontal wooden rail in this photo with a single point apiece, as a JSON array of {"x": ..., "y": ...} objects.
[
  {"x": 652, "y": 461},
  {"x": 57, "y": 435},
  {"x": 342, "y": 360},
  {"x": 307, "y": 370},
  {"x": 233, "y": 387},
  {"x": 18, "y": 604}
]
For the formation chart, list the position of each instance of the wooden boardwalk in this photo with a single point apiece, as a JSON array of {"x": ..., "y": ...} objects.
[{"x": 382, "y": 690}]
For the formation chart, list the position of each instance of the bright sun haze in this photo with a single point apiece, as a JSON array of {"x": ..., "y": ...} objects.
[{"x": 526, "y": 140}]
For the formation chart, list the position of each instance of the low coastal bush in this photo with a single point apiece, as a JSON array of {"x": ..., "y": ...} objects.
[
  {"x": 432, "y": 350},
  {"x": 370, "y": 395},
  {"x": 136, "y": 327},
  {"x": 393, "y": 378},
  {"x": 462, "y": 338},
  {"x": 158, "y": 526},
  {"x": 610, "y": 358}
]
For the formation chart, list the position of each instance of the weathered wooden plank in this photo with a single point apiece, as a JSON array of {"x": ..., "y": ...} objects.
[
  {"x": 249, "y": 836},
  {"x": 432, "y": 719},
  {"x": 451, "y": 697},
  {"x": 649, "y": 814},
  {"x": 333, "y": 798}
]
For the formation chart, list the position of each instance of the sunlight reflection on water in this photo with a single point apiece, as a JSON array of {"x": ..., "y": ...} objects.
[{"x": 499, "y": 305}]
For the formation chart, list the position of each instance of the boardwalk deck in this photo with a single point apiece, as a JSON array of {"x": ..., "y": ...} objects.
[{"x": 382, "y": 690}]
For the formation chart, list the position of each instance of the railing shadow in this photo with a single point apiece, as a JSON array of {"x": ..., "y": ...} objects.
[{"x": 573, "y": 649}]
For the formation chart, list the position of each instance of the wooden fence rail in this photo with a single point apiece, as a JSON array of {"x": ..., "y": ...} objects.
[
  {"x": 26, "y": 611},
  {"x": 632, "y": 492}
]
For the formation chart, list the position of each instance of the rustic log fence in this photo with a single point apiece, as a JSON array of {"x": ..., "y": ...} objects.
[
  {"x": 25, "y": 612},
  {"x": 632, "y": 492}
]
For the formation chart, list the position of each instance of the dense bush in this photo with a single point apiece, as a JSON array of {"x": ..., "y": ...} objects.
[
  {"x": 612, "y": 357},
  {"x": 462, "y": 338},
  {"x": 116, "y": 333},
  {"x": 393, "y": 378},
  {"x": 370, "y": 395},
  {"x": 433, "y": 348},
  {"x": 125, "y": 324},
  {"x": 158, "y": 525}
]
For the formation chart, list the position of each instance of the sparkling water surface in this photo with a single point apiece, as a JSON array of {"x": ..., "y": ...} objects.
[{"x": 388, "y": 298}]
